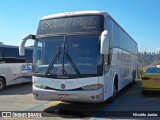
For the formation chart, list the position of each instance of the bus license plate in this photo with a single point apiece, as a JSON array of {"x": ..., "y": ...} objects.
[{"x": 64, "y": 96}]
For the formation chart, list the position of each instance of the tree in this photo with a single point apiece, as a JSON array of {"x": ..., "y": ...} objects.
[
  {"x": 141, "y": 58},
  {"x": 140, "y": 72}
]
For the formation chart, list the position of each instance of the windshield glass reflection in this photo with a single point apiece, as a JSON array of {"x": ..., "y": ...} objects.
[{"x": 68, "y": 55}]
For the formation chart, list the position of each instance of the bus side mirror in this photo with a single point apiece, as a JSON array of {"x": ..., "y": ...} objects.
[
  {"x": 104, "y": 49},
  {"x": 22, "y": 44}
]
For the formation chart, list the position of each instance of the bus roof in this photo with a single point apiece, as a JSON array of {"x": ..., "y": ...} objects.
[{"x": 67, "y": 14}]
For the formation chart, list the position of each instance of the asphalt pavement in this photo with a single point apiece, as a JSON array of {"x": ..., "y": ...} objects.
[{"x": 128, "y": 101}]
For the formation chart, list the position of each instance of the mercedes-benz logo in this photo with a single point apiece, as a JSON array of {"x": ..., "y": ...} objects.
[{"x": 62, "y": 86}]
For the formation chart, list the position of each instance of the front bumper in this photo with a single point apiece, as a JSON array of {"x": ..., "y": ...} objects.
[{"x": 95, "y": 96}]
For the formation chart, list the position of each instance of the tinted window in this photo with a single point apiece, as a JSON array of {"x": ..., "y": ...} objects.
[
  {"x": 68, "y": 53},
  {"x": 116, "y": 35},
  {"x": 153, "y": 70},
  {"x": 110, "y": 32}
]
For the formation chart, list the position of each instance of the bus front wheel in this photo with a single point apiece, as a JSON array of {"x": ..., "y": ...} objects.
[{"x": 115, "y": 90}]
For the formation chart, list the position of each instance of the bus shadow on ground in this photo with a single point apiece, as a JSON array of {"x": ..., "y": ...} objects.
[
  {"x": 83, "y": 110},
  {"x": 87, "y": 110},
  {"x": 19, "y": 89},
  {"x": 152, "y": 94},
  {"x": 75, "y": 110}
]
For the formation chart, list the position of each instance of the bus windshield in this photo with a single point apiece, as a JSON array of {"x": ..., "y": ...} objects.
[{"x": 77, "y": 55}]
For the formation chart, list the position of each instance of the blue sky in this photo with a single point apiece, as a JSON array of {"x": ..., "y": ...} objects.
[{"x": 140, "y": 18}]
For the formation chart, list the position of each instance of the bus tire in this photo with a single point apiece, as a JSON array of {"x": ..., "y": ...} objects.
[
  {"x": 1, "y": 84},
  {"x": 133, "y": 77},
  {"x": 115, "y": 89}
]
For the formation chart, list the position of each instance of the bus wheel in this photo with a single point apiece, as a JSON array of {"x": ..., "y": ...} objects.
[
  {"x": 113, "y": 94},
  {"x": 114, "y": 90},
  {"x": 133, "y": 78},
  {"x": 1, "y": 84}
]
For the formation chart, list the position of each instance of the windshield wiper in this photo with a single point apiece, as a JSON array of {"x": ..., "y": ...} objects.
[
  {"x": 53, "y": 60},
  {"x": 72, "y": 63}
]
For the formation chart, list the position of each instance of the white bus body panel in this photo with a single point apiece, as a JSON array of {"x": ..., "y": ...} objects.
[
  {"x": 15, "y": 73},
  {"x": 123, "y": 64},
  {"x": 107, "y": 81}
]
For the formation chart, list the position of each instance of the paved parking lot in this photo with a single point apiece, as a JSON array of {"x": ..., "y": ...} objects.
[{"x": 20, "y": 98}]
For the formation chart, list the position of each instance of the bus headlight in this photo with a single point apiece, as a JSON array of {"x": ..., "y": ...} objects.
[
  {"x": 39, "y": 85},
  {"x": 92, "y": 87}
]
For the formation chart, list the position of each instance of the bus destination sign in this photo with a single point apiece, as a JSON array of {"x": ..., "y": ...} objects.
[{"x": 76, "y": 24}]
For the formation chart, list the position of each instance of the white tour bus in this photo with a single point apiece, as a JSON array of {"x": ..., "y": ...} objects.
[
  {"x": 81, "y": 57},
  {"x": 14, "y": 70}
]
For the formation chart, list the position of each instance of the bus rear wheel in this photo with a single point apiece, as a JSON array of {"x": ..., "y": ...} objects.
[
  {"x": 1, "y": 84},
  {"x": 133, "y": 77}
]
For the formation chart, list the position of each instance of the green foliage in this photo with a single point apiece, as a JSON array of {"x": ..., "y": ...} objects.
[{"x": 140, "y": 72}]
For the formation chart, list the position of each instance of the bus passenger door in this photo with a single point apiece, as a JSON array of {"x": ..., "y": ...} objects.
[{"x": 107, "y": 78}]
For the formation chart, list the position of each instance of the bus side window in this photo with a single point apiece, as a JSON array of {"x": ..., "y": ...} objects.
[{"x": 39, "y": 53}]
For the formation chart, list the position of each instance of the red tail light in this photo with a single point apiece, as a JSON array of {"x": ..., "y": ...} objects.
[{"x": 145, "y": 78}]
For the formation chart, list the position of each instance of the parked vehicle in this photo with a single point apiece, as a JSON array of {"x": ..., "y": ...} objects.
[
  {"x": 13, "y": 68},
  {"x": 151, "y": 79}
]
